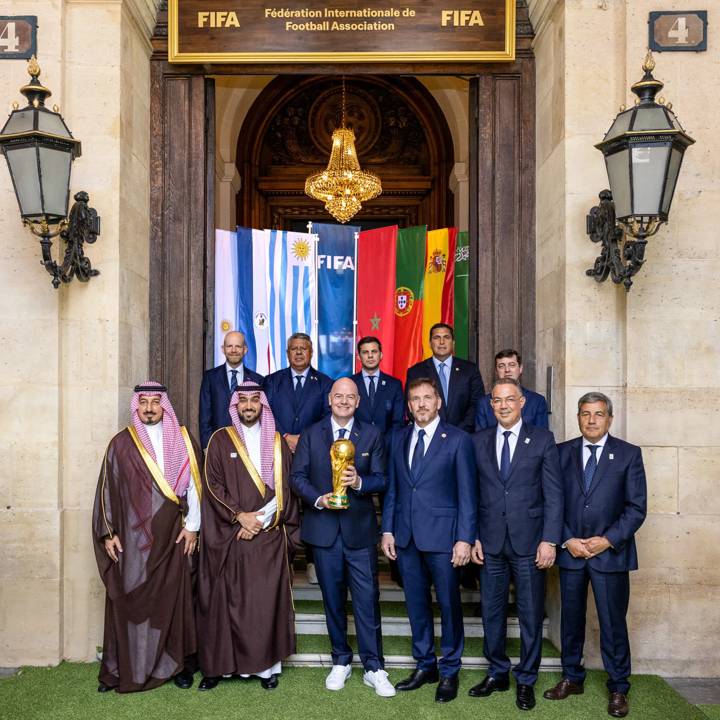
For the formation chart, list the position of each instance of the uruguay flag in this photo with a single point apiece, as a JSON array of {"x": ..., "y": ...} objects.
[{"x": 291, "y": 291}]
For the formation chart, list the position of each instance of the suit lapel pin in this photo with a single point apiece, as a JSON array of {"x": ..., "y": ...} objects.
[
  {"x": 457, "y": 369},
  {"x": 382, "y": 382},
  {"x": 233, "y": 455},
  {"x": 611, "y": 456},
  {"x": 443, "y": 435},
  {"x": 527, "y": 441}
]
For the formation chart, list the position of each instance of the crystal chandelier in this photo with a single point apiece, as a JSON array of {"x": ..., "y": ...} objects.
[{"x": 343, "y": 186}]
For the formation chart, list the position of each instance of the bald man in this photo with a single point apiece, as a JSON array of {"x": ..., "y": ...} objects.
[
  {"x": 219, "y": 383},
  {"x": 344, "y": 542}
]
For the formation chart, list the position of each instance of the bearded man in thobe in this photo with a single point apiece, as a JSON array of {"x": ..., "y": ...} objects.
[
  {"x": 245, "y": 613},
  {"x": 145, "y": 524}
]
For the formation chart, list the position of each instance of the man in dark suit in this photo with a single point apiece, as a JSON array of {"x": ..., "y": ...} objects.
[
  {"x": 605, "y": 505},
  {"x": 520, "y": 516},
  {"x": 345, "y": 541},
  {"x": 429, "y": 525},
  {"x": 219, "y": 383},
  {"x": 508, "y": 364},
  {"x": 381, "y": 395},
  {"x": 298, "y": 396},
  {"x": 460, "y": 383}
]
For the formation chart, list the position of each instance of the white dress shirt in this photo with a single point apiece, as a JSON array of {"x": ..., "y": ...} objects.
[
  {"x": 429, "y": 429},
  {"x": 240, "y": 374},
  {"x": 512, "y": 440},
  {"x": 192, "y": 519},
  {"x": 586, "y": 449}
]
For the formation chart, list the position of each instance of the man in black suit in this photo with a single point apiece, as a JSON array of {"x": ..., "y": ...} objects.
[
  {"x": 605, "y": 505},
  {"x": 219, "y": 383},
  {"x": 298, "y": 396},
  {"x": 381, "y": 395},
  {"x": 460, "y": 383},
  {"x": 520, "y": 516}
]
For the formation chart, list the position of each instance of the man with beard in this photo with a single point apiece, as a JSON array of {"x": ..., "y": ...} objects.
[
  {"x": 250, "y": 523},
  {"x": 145, "y": 523}
]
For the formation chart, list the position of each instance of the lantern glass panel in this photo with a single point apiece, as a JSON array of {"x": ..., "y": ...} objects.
[
  {"x": 673, "y": 172},
  {"x": 618, "y": 169},
  {"x": 621, "y": 125},
  {"x": 649, "y": 163},
  {"x": 24, "y": 168},
  {"x": 52, "y": 123},
  {"x": 651, "y": 119},
  {"x": 19, "y": 121},
  {"x": 55, "y": 169}
]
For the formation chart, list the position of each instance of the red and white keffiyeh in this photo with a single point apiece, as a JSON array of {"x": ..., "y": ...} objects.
[
  {"x": 175, "y": 455},
  {"x": 267, "y": 430}
]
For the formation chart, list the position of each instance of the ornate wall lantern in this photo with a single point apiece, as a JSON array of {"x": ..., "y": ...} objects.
[
  {"x": 39, "y": 149},
  {"x": 643, "y": 152}
]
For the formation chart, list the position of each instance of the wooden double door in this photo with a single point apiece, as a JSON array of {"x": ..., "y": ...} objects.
[{"x": 501, "y": 200}]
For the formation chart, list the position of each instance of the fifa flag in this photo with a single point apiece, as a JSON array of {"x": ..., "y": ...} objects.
[{"x": 291, "y": 291}]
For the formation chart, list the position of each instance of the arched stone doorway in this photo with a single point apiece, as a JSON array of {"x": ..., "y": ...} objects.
[{"x": 402, "y": 136}]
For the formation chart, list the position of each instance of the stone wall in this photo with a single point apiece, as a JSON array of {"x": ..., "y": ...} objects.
[{"x": 654, "y": 350}]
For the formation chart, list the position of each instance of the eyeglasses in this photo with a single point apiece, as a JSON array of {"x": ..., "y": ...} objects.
[{"x": 504, "y": 401}]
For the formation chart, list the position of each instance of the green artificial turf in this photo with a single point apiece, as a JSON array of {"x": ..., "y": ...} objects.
[
  {"x": 68, "y": 692},
  {"x": 710, "y": 711},
  {"x": 396, "y": 645}
]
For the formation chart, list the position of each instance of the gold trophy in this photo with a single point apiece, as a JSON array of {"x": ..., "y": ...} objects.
[{"x": 342, "y": 454}]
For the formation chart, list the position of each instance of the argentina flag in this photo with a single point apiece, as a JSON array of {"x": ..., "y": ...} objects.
[
  {"x": 226, "y": 289},
  {"x": 291, "y": 291}
]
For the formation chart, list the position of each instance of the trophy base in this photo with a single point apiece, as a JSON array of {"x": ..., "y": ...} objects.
[{"x": 338, "y": 502}]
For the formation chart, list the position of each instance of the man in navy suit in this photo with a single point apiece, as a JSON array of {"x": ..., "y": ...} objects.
[
  {"x": 219, "y": 383},
  {"x": 520, "y": 516},
  {"x": 508, "y": 364},
  {"x": 345, "y": 541},
  {"x": 459, "y": 380},
  {"x": 298, "y": 396},
  {"x": 381, "y": 395},
  {"x": 605, "y": 505},
  {"x": 429, "y": 525}
]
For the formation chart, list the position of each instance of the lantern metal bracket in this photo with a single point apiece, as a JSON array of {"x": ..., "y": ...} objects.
[
  {"x": 623, "y": 248},
  {"x": 81, "y": 226}
]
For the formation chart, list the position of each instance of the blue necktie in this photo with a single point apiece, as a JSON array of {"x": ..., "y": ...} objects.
[
  {"x": 418, "y": 454},
  {"x": 371, "y": 393},
  {"x": 233, "y": 381},
  {"x": 298, "y": 384},
  {"x": 505, "y": 457},
  {"x": 443, "y": 382},
  {"x": 590, "y": 467},
  {"x": 341, "y": 433}
]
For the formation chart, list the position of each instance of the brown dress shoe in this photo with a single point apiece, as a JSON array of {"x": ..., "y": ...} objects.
[
  {"x": 563, "y": 689},
  {"x": 618, "y": 705}
]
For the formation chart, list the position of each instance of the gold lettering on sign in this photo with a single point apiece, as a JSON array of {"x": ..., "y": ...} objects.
[
  {"x": 461, "y": 18},
  {"x": 217, "y": 19}
]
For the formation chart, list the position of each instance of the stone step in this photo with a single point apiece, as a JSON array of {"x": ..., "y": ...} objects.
[{"x": 314, "y": 624}]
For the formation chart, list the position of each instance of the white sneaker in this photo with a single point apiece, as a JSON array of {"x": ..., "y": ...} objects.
[
  {"x": 311, "y": 574},
  {"x": 337, "y": 677},
  {"x": 379, "y": 681}
]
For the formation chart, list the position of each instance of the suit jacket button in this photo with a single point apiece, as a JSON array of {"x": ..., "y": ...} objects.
[
  {"x": 502, "y": 514},
  {"x": 414, "y": 489},
  {"x": 507, "y": 492},
  {"x": 587, "y": 506}
]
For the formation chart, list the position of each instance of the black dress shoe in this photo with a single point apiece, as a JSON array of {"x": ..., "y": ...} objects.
[
  {"x": 488, "y": 686},
  {"x": 184, "y": 679},
  {"x": 270, "y": 683},
  {"x": 208, "y": 683},
  {"x": 103, "y": 688},
  {"x": 418, "y": 679},
  {"x": 525, "y": 697},
  {"x": 447, "y": 689}
]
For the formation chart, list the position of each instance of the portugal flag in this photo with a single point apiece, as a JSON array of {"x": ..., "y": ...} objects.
[
  {"x": 439, "y": 282},
  {"x": 408, "y": 299},
  {"x": 376, "y": 289}
]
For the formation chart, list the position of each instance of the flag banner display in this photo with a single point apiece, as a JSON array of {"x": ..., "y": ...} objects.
[
  {"x": 292, "y": 291},
  {"x": 462, "y": 270},
  {"x": 376, "y": 289},
  {"x": 336, "y": 267},
  {"x": 337, "y": 285},
  {"x": 409, "y": 275}
]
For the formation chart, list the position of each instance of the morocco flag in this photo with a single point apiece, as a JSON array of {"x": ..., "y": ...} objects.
[
  {"x": 376, "y": 289},
  {"x": 409, "y": 274},
  {"x": 439, "y": 282}
]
